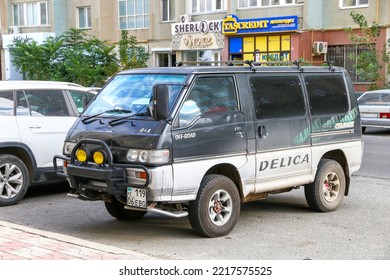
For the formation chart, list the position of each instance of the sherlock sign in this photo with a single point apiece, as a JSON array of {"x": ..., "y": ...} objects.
[
  {"x": 200, "y": 35},
  {"x": 232, "y": 25}
]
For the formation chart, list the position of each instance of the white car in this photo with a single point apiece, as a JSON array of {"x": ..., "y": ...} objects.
[
  {"x": 34, "y": 119},
  {"x": 374, "y": 108}
]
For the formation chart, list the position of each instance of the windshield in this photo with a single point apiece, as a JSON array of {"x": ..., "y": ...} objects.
[{"x": 132, "y": 93}]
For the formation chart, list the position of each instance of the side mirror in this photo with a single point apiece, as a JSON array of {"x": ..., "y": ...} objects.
[{"x": 160, "y": 102}]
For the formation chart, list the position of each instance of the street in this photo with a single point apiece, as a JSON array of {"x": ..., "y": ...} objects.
[{"x": 281, "y": 227}]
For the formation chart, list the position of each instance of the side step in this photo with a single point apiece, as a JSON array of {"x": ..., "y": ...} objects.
[{"x": 172, "y": 214}]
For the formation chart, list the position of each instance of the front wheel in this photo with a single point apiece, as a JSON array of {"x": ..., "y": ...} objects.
[
  {"x": 14, "y": 180},
  {"x": 327, "y": 191},
  {"x": 216, "y": 209},
  {"x": 118, "y": 211}
]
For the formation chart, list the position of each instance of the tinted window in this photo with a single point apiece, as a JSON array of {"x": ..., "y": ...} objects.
[
  {"x": 327, "y": 94},
  {"x": 6, "y": 103},
  {"x": 42, "y": 103},
  {"x": 209, "y": 95},
  {"x": 277, "y": 96}
]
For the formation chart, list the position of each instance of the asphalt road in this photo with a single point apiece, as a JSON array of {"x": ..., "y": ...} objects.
[{"x": 282, "y": 227}]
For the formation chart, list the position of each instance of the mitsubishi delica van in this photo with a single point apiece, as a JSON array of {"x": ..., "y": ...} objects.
[{"x": 199, "y": 141}]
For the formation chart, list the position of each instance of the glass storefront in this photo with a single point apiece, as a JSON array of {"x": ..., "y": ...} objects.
[{"x": 260, "y": 48}]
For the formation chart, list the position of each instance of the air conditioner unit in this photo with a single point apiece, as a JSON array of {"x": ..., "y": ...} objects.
[
  {"x": 320, "y": 47},
  {"x": 13, "y": 30},
  {"x": 185, "y": 18}
]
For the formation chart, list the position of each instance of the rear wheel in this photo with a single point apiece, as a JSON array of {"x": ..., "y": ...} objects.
[
  {"x": 363, "y": 129},
  {"x": 216, "y": 209},
  {"x": 327, "y": 191},
  {"x": 14, "y": 180},
  {"x": 118, "y": 211}
]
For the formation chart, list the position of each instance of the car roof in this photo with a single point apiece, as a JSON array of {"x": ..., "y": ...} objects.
[
  {"x": 386, "y": 90},
  {"x": 33, "y": 84}
]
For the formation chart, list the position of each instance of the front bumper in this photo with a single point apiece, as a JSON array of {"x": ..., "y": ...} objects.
[{"x": 110, "y": 178}]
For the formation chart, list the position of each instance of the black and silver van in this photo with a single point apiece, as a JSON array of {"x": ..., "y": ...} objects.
[{"x": 199, "y": 141}]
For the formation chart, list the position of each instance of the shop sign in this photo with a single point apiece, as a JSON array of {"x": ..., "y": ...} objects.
[
  {"x": 201, "y": 27},
  {"x": 196, "y": 42},
  {"x": 231, "y": 24}
]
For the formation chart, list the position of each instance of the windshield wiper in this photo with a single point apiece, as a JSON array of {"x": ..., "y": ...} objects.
[
  {"x": 86, "y": 120},
  {"x": 138, "y": 113}
]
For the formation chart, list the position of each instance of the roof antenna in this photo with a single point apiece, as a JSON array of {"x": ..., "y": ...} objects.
[{"x": 330, "y": 64}]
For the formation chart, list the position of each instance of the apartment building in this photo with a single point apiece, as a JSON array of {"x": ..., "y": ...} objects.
[{"x": 204, "y": 30}]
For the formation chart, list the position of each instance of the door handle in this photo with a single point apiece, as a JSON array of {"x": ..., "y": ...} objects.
[{"x": 263, "y": 132}]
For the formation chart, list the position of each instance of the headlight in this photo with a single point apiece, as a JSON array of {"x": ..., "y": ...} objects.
[
  {"x": 68, "y": 147},
  {"x": 148, "y": 156}
]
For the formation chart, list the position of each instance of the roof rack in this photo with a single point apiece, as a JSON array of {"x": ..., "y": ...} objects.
[{"x": 252, "y": 64}]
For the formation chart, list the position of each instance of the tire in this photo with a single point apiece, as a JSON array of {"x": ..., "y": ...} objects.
[
  {"x": 14, "y": 180},
  {"x": 118, "y": 211},
  {"x": 216, "y": 209},
  {"x": 364, "y": 129},
  {"x": 328, "y": 189}
]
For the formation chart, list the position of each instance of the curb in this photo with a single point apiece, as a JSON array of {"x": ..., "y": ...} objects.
[{"x": 79, "y": 242}]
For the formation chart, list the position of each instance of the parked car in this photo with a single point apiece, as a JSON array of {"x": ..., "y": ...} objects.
[
  {"x": 199, "y": 141},
  {"x": 34, "y": 119},
  {"x": 375, "y": 109}
]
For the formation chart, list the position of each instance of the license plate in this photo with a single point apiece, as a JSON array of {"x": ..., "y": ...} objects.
[
  {"x": 369, "y": 115},
  {"x": 136, "y": 197}
]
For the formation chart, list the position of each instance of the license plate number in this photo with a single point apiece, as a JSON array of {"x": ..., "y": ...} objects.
[
  {"x": 369, "y": 115},
  {"x": 136, "y": 197}
]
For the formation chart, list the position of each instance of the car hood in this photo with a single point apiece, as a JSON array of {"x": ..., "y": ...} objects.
[{"x": 137, "y": 134}]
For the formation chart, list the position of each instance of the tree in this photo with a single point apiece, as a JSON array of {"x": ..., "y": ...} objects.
[
  {"x": 130, "y": 54},
  {"x": 367, "y": 61},
  {"x": 72, "y": 57}
]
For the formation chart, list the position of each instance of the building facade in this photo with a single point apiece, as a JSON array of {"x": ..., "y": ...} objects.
[{"x": 174, "y": 31}]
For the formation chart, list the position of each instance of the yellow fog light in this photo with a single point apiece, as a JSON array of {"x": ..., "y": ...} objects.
[
  {"x": 81, "y": 155},
  {"x": 98, "y": 157}
]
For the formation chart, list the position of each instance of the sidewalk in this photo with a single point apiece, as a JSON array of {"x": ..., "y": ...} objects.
[{"x": 24, "y": 243}]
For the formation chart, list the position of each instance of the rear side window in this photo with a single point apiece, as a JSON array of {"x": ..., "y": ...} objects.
[
  {"x": 327, "y": 94},
  {"x": 375, "y": 99},
  {"x": 42, "y": 103},
  {"x": 277, "y": 96},
  {"x": 6, "y": 103}
]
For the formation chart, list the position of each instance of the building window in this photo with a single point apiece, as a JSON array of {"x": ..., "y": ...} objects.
[
  {"x": 31, "y": 14},
  {"x": 166, "y": 59},
  {"x": 343, "y": 56},
  {"x": 84, "y": 17},
  {"x": 264, "y": 3},
  {"x": 260, "y": 48},
  {"x": 133, "y": 14},
  {"x": 201, "y": 6},
  {"x": 353, "y": 3},
  {"x": 168, "y": 10}
]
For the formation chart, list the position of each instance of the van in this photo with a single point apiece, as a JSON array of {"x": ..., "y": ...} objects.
[
  {"x": 34, "y": 119},
  {"x": 200, "y": 141}
]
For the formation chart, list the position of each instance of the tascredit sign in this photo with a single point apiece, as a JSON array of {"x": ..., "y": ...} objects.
[{"x": 232, "y": 25}]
